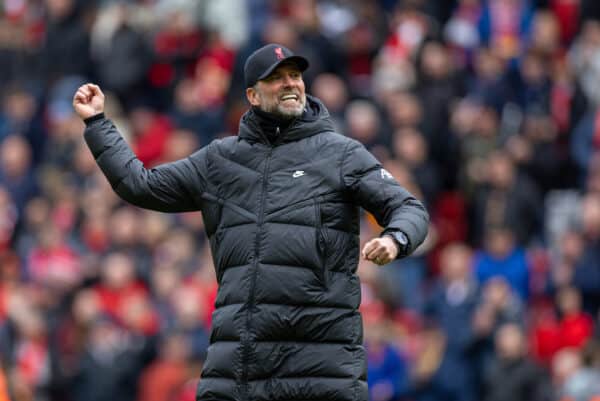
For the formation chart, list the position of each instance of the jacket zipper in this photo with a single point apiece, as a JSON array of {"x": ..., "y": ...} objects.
[
  {"x": 251, "y": 300},
  {"x": 321, "y": 243}
]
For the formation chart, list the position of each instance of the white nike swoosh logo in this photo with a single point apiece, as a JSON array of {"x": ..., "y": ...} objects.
[{"x": 298, "y": 173}]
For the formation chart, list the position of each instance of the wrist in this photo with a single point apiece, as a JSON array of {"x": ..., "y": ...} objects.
[
  {"x": 95, "y": 117},
  {"x": 400, "y": 240}
]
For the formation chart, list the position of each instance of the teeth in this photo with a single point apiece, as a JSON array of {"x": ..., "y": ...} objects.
[{"x": 286, "y": 97}]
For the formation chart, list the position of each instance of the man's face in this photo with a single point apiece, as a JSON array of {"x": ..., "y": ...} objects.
[{"x": 281, "y": 93}]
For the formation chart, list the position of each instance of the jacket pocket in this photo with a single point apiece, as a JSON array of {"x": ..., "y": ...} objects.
[{"x": 322, "y": 244}]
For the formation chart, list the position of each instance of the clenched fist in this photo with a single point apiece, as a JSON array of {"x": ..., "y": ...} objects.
[
  {"x": 380, "y": 250},
  {"x": 88, "y": 101}
]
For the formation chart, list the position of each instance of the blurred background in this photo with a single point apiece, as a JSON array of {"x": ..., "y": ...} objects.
[{"x": 487, "y": 110}]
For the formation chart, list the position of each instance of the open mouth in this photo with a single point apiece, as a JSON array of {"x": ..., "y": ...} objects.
[{"x": 289, "y": 97}]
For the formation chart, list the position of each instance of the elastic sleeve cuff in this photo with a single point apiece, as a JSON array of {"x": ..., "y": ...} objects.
[{"x": 96, "y": 117}]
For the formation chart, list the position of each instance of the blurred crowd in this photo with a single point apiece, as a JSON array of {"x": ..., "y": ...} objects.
[{"x": 487, "y": 110}]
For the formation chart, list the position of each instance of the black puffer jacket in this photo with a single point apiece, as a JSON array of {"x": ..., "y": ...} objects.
[{"x": 283, "y": 222}]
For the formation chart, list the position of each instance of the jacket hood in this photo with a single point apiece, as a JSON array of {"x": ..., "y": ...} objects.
[{"x": 314, "y": 120}]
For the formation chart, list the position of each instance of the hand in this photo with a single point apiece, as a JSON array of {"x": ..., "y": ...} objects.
[
  {"x": 88, "y": 101},
  {"x": 380, "y": 250}
]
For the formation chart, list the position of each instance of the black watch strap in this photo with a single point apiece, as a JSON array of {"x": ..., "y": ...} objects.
[{"x": 401, "y": 241}]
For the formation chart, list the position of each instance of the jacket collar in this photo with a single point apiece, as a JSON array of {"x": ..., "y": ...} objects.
[{"x": 314, "y": 120}]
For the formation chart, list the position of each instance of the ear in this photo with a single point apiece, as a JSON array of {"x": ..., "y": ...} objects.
[{"x": 253, "y": 96}]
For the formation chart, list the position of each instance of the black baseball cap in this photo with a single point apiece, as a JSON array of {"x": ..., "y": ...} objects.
[{"x": 263, "y": 61}]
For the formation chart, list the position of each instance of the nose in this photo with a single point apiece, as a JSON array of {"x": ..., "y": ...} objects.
[{"x": 288, "y": 81}]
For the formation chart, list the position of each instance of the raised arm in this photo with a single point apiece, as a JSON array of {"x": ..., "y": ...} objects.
[
  {"x": 393, "y": 207},
  {"x": 171, "y": 187}
]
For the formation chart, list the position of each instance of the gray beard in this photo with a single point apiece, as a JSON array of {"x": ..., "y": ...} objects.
[{"x": 285, "y": 114}]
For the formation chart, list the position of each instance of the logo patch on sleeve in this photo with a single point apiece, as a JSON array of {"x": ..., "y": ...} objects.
[{"x": 386, "y": 174}]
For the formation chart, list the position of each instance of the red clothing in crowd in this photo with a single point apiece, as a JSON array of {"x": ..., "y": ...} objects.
[
  {"x": 3, "y": 387},
  {"x": 207, "y": 295},
  {"x": 545, "y": 339},
  {"x": 150, "y": 144},
  {"x": 574, "y": 331},
  {"x": 162, "y": 381},
  {"x": 550, "y": 335},
  {"x": 3, "y": 302},
  {"x": 57, "y": 264},
  {"x": 567, "y": 12},
  {"x": 115, "y": 303},
  {"x": 32, "y": 362}
]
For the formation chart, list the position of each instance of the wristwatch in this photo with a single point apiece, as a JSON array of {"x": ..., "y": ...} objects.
[{"x": 401, "y": 241}]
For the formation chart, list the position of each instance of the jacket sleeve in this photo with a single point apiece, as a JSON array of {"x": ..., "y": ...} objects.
[
  {"x": 374, "y": 189},
  {"x": 171, "y": 187}
]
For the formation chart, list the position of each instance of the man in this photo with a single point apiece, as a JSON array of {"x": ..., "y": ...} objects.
[{"x": 280, "y": 204}]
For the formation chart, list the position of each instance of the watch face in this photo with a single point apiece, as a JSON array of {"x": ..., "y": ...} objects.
[{"x": 401, "y": 238}]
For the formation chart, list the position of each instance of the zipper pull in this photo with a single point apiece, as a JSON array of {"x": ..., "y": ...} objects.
[{"x": 275, "y": 140}]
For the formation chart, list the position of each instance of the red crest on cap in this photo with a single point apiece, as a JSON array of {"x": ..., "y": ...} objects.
[{"x": 279, "y": 53}]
